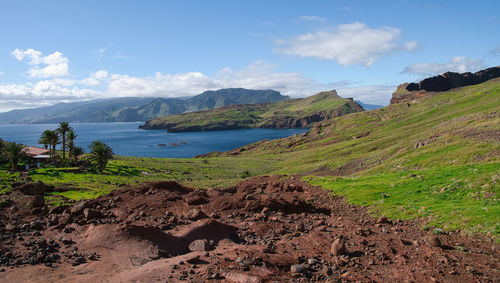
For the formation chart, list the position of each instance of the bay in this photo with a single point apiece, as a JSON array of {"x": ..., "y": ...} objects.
[{"x": 126, "y": 139}]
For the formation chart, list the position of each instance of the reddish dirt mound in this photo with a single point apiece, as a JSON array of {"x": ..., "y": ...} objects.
[{"x": 273, "y": 228}]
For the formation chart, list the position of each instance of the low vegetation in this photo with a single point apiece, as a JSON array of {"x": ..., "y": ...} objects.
[
  {"x": 436, "y": 158},
  {"x": 293, "y": 113}
]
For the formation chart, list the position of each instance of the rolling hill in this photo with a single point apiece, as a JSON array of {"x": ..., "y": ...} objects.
[
  {"x": 435, "y": 157},
  {"x": 293, "y": 113}
]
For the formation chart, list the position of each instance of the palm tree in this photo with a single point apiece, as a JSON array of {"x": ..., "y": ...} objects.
[
  {"x": 50, "y": 137},
  {"x": 14, "y": 152},
  {"x": 63, "y": 129},
  {"x": 44, "y": 138},
  {"x": 71, "y": 143},
  {"x": 101, "y": 153},
  {"x": 77, "y": 151}
]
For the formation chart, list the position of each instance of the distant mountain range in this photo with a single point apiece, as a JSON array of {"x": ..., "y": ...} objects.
[{"x": 132, "y": 109}]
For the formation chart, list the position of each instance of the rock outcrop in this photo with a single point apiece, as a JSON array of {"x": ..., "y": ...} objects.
[{"x": 443, "y": 82}]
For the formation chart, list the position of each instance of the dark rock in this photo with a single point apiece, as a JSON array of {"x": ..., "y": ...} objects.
[
  {"x": 57, "y": 209},
  {"x": 298, "y": 269},
  {"x": 90, "y": 213},
  {"x": 80, "y": 259},
  {"x": 79, "y": 207},
  {"x": 41, "y": 243},
  {"x": 11, "y": 227},
  {"x": 35, "y": 201},
  {"x": 193, "y": 259},
  {"x": 433, "y": 241},
  {"x": 199, "y": 245},
  {"x": 383, "y": 220},
  {"x": 35, "y": 189},
  {"x": 195, "y": 214},
  {"x": 36, "y": 225},
  {"x": 196, "y": 198}
]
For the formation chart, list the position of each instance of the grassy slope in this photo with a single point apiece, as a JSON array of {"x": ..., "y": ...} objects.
[
  {"x": 253, "y": 115},
  {"x": 370, "y": 157},
  {"x": 123, "y": 171}
]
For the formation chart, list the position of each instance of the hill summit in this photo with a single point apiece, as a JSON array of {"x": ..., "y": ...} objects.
[
  {"x": 443, "y": 82},
  {"x": 292, "y": 113}
]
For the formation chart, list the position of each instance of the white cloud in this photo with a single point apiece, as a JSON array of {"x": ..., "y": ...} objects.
[
  {"x": 64, "y": 82},
  {"x": 348, "y": 44},
  {"x": 42, "y": 93},
  {"x": 456, "y": 64},
  {"x": 52, "y": 65},
  {"x": 95, "y": 78},
  {"x": 257, "y": 75},
  {"x": 313, "y": 19},
  {"x": 411, "y": 45}
]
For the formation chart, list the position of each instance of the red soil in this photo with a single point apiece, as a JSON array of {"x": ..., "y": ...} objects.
[{"x": 258, "y": 231}]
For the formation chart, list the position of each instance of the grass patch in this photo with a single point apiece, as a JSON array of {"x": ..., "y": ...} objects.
[
  {"x": 449, "y": 197},
  {"x": 125, "y": 171}
]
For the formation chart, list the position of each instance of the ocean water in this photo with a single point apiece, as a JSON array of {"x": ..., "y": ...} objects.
[{"x": 126, "y": 139}]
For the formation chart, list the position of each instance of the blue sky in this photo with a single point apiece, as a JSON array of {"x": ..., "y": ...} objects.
[{"x": 63, "y": 51}]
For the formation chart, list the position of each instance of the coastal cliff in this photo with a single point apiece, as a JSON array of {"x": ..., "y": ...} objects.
[
  {"x": 443, "y": 82},
  {"x": 293, "y": 113}
]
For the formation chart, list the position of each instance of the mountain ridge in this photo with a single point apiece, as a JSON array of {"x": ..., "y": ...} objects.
[
  {"x": 133, "y": 109},
  {"x": 292, "y": 113}
]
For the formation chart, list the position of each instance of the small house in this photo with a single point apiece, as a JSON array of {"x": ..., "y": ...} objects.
[{"x": 37, "y": 155}]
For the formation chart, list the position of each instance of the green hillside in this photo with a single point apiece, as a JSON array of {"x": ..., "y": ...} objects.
[
  {"x": 283, "y": 114},
  {"x": 435, "y": 157}
]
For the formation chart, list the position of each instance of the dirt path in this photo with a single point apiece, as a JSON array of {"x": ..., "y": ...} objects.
[{"x": 264, "y": 229}]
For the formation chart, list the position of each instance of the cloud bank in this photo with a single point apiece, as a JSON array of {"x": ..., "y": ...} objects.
[
  {"x": 348, "y": 44},
  {"x": 58, "y": 87},
  {"x": 52, "y": 65}
]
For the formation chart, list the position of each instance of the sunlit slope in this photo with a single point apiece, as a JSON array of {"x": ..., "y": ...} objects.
[
  {"x": 284, "y": 114},
  {"x": 437, "y": 157}
]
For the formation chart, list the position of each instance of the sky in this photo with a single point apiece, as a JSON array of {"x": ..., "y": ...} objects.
[{"x": 66, "y": 51}]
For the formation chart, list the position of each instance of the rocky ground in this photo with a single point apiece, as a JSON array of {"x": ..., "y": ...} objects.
[{"x": 265, "y": 229}]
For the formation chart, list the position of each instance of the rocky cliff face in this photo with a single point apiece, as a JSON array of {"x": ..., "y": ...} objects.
[
  {"x": 443, "y": 82},
  {"x": 306, "y": 121}
]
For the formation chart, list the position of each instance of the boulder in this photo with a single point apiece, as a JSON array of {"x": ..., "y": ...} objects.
[
  {"x": 34, "y": 189},
  {"x": 195, "y": 214},
  {"x": 338, "y": 247},
  {"x": 79, "y": 207},
  {"x": 11, "y": 227},
  {"x": 35, "y": 201},
  {"x": 298, "y": 269},
  {"x": 201, "y": 245},
  {"x": 90, "y": 213},
  {"x": 433, "y": 241}
]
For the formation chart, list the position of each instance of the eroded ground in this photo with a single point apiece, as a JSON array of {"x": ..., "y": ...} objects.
[{"x": 264, "y": 229}]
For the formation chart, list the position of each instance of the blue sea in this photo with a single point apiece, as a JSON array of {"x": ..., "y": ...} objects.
[{"x": 126, "y": 139}]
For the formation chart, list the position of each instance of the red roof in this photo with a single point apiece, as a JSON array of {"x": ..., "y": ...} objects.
[{"x": 34, "y": 151}]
